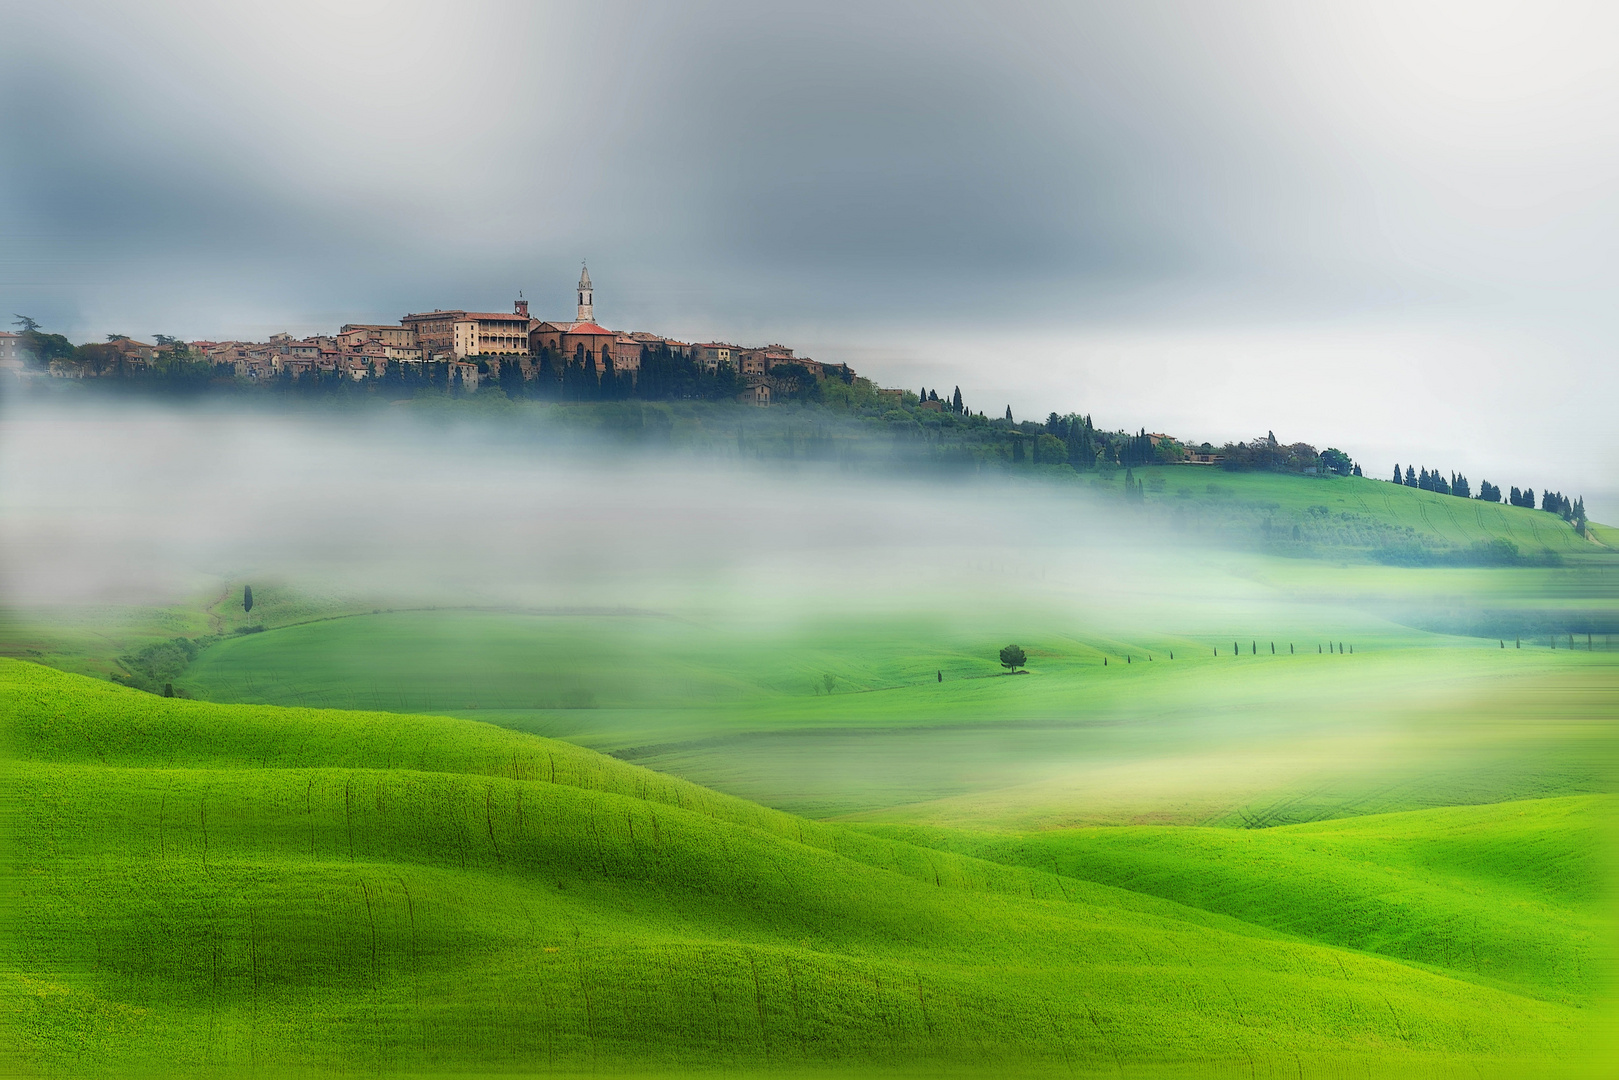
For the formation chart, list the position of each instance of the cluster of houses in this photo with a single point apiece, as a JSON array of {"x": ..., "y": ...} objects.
[{"x": 477, "y": 344}]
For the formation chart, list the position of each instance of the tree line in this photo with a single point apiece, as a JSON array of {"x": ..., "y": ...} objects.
[{"x": 1553, "y": 502}]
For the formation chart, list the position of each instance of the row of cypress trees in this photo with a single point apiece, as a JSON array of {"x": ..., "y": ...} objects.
[{"x": 1570, "y": 510}]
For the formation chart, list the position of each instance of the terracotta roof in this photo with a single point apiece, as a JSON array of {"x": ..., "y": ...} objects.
[
  {"x": 588, "y": 328},
  {"x": 502, "y": 315}
]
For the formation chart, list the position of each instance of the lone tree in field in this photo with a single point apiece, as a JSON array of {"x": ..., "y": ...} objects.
[
  {"x": 1012, "y": 658},
  {"x": 247, "y": 598}
]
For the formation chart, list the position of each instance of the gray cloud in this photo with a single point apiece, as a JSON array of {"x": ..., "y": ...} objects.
[{"x": 882, "y": 180}]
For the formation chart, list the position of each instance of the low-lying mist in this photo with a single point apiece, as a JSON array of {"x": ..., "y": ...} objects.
[
  {"x": 146, "y": 505},
  {"x": 814, "y": 635}
]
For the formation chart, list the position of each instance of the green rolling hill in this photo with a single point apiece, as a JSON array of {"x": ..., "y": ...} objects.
[
  {"x": 1514, "y": 894},
  {"x": 1335, "y": 514},
  {"x": 207, "y": 889}
]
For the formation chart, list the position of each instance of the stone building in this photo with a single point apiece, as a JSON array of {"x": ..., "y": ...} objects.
[
  {"x": 460, "y": 334},
  {"x": 434, "y": 330},
  {"x": 132, "y": 351},
  {"x": 626, "y": 352},
  {"x": 713, "y": 355},
  {"x": 354, "y": 335},
  {"x": 10, "y": 351}
]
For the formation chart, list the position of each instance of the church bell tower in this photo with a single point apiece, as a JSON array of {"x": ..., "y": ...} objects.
[{"x": 586, "y": 308}]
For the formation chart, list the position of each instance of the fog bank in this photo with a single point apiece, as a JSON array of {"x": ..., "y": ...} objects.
[{"x": 140, "y": 505}]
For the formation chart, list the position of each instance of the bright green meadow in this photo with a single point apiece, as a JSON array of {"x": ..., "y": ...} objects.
[{"x": 1298, "y": 812}]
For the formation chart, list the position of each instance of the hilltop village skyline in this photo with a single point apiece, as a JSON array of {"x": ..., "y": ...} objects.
[
  {"x": 471, "y": 347},
  {"x": 581, "y": 360}
]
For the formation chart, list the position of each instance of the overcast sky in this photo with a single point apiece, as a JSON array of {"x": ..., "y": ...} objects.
[{"x": 1385, "y": 227}]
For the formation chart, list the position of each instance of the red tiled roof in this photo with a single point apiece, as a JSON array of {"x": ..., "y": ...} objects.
[
  {"x": 588, "y": 328},
  {"x": 502, "y": 315}
]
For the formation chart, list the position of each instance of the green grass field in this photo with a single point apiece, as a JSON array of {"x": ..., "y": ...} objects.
[
  {"x": 212, "y": 888},
  {"x": 378, "y": 836},
  {"x": 1510, "y": 893},
  {"x": 1346, "y": 512},
  {"x": 1410, "y": 720}
]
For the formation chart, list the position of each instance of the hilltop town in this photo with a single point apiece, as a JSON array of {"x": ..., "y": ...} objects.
[
  {"x": 462, "y": 349},
  {"x": 580, "y": 360}
]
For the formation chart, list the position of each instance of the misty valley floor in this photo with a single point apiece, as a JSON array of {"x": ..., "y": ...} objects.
[{"x": 921, "y": 725}]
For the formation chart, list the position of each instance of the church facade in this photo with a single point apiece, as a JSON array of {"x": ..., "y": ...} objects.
[{"x": 584, "y": 339}]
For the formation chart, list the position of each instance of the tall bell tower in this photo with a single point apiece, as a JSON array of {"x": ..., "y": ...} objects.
[{"x": 586, "y": 308}]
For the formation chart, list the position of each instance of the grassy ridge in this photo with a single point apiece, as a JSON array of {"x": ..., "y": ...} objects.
[
  {"x": 1333, "y": 513},
  {"x": 216, "y": 887},
  {"x": 1517, "y": 893}
]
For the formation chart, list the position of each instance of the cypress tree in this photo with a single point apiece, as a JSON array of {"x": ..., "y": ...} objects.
[
  {"x": 1410, "y": 477},
  {"x": 955, "y": 401},
  {"x": 1009, "y": 414},
  {"x": 247, "y": 598}
]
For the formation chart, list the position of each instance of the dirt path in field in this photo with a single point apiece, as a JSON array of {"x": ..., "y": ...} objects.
[{"x": 216, "y": 625}]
